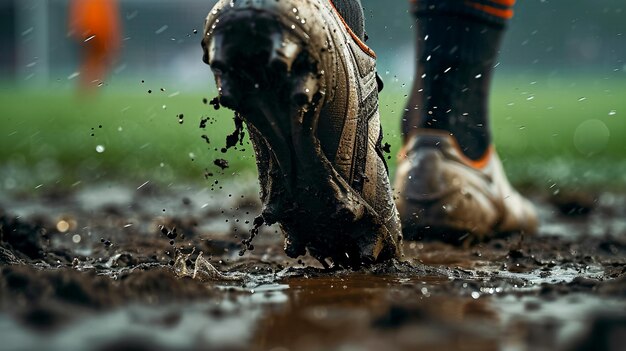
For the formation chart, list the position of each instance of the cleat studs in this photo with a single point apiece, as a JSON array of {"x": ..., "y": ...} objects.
[
  {"x": 226, "y": 91},
  {"x": 283, "y": 53},
  {"x": 305, "y": 90},
  {"x": 215, "y": 53}
]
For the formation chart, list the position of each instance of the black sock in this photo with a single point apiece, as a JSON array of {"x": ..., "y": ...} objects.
[
  {"x": 457, "y": 46},
  {"x": 352, "y": 13}
]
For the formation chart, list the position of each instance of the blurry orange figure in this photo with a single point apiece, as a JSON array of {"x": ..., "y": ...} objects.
[{"x": 95, "y": 24}]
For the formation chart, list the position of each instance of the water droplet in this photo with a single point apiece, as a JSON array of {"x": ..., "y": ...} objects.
[
  {"x": 100, "y": 149},
  {"x": 591, "y": 137},
  {"x": 161, "y": 30},
  {"x": 63, "y": 226}
]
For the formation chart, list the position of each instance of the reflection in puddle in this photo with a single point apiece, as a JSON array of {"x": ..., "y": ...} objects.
[
  {"x": 224, "y": 323},
  {"x": 351, "y": 311}
]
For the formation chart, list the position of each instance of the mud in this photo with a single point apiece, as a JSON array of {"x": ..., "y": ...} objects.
[
  {"x": 236, "y": 136},
  {"x": 115, "y": 267},
  {"x": 221, "y": 163}
]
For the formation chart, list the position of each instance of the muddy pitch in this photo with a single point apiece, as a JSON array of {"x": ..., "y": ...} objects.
[{"x": 149, "y": 268}]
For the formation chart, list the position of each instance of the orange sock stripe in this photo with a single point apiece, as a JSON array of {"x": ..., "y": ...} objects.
[
  {"x": 505, "y": 14},
  {"x": 508, "y": 3}
]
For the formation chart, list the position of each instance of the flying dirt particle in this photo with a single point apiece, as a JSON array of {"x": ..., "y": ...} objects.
[
  {"x": 170, "y": 234},
  {"x": 207, "y": 174},
  {"x": 195, "y": 31},
  {"x": 181, "y": 118},
  {"x": 221, "y": 163},
  {"x": 206, "y": 138},
  {"x": 387, "y": 148},
  {"x": 149, "y": 91},
  {"x": 203, "y": 122},
  {"x": 205, "y": 101},
  {"x": 247, "y": 243},
  {"x": 216, "y": 103},
  {"x": 237, "y": 135}
]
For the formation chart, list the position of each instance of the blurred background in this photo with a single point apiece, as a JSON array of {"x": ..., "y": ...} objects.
[{"x": 558, "y": 104}]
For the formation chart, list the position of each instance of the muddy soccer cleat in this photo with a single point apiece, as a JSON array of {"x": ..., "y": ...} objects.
[
  {"x": 443, "y": 195},
  {"x": 306, "y": 88}
]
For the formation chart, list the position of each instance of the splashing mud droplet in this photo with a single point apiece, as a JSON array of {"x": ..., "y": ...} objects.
[
  {"x": 237, "y": 135},
  {"x": 203, "y": 269},
  {"x": 221, "y": 163},
  {"x": 247, "y": 243},
  {"x": 215, "y": 102}
]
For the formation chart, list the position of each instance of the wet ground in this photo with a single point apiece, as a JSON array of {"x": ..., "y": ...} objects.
[{"x": 148, "y": 268}]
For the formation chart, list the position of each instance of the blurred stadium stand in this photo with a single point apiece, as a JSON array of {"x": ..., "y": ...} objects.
[{"x": 159, "y": 39}]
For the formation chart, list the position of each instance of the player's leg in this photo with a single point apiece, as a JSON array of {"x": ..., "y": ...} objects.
[
  {"x": 95, "y": 26},
  {"x": 457, "y": 46},
  {"x": 450, "y": 180}
]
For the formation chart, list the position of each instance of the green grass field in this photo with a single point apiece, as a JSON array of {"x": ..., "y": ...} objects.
[{"x": 567, "y": 131}]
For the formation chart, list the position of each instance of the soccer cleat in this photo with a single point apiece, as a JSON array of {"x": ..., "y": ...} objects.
[
  {"x": 443, "y": 195},
  {"x": 306, "y": 88}
]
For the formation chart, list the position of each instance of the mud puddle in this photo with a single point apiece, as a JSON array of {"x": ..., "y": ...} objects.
[{"x": 143, "y": 267}]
